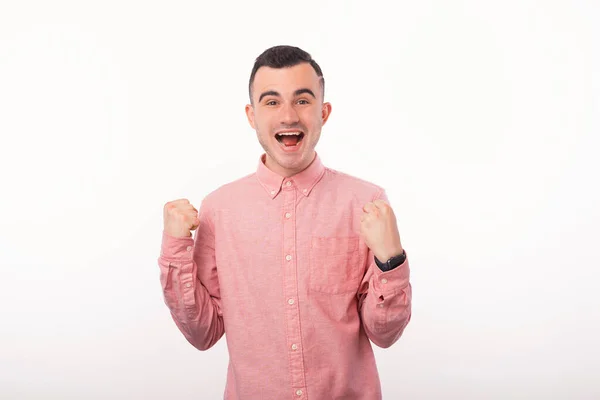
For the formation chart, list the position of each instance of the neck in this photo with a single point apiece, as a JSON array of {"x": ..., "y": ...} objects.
[{"x": 285, "y": 172}]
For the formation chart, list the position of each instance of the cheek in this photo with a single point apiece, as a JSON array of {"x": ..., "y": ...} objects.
[
  {"x": 262, "y": 122},
  {"x": 312, "y": 119}
]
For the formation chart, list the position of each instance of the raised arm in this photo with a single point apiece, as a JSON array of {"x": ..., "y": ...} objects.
[
  {"x": 384, "y": 297},
  {"x": 188, "y": 273}
]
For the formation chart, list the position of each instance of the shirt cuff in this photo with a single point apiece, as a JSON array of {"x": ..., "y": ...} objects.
[
  {"x": 179, "y": 248},
  {"x": 392, "y": 280}
]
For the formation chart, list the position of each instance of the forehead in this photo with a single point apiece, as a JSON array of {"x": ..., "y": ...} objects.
[{"x": 285, "y": 80}]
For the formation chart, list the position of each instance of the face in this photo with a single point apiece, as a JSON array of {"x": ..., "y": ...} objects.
[{"x": 287, "y": 100}]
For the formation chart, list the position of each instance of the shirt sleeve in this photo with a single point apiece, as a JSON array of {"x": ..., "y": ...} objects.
[
  {"x": 384, "y": 300},
  {"x": 188, "y": 276}
]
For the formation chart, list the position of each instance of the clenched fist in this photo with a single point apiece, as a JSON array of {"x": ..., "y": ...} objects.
[
  {"x": 180, "y": 218},
  {"x": 379, "y": 230}
]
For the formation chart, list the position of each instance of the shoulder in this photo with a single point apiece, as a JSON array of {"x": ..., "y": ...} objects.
[
  {"x": 359, "y": 186},
  {"x": 231, "y": 190}
]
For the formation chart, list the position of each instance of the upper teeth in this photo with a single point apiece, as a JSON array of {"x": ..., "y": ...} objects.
[{"x": 289, "y": 133}]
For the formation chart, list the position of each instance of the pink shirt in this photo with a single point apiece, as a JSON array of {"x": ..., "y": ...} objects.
[{"x": 279, "y": 265}]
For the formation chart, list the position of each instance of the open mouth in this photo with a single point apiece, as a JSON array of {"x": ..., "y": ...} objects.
[{"x": 290, "y": 139}]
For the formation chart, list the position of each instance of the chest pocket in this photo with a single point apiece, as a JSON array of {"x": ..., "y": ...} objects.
[{"x": 334, "y": 264}]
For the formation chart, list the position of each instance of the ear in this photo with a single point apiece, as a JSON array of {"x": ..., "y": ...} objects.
[
  {"x": 250, "y": 115},
  {"x": 325, "y": 112}
]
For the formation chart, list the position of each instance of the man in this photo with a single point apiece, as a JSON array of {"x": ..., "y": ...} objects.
[{"x": 298, "y": 263}]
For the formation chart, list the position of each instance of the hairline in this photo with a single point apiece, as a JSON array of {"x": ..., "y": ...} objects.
[{"x": 321, "y": 79}]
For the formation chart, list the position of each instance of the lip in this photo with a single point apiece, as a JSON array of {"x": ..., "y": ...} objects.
[{"x": 289, "y": 149}]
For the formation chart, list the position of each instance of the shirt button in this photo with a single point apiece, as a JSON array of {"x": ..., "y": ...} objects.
[
  {"x": 189, "y": 248},
  {"x": 294, "y": 346},
  {"x": 291, "y": 301},
  {"x": 272, "y": 192},
  {"x": 381, "y": 305},
  {"x": 288, "y": 257},
  {"x": 288, "y": 183},
  {"x": 188, "y": 284},
  {"x": 305, "y": 190},
  {"x": 287, "y": 215},
  {"x": 384, "y": 280},
  {"x": 299, "y": 392}
]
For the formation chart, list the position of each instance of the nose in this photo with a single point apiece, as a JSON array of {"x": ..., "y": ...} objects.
[{"x": 288, "y": 115}]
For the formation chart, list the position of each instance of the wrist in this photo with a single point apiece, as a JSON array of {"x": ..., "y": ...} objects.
[{"x": 391, "y": 262}]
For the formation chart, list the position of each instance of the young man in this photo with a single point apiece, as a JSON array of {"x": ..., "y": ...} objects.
[{"x": 298, "y": 263}]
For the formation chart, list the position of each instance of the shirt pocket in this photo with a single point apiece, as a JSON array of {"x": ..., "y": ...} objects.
[{"x": 334, "y": 264}]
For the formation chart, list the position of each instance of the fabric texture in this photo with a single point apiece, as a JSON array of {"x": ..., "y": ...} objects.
[{"x": 278, "y": 265}]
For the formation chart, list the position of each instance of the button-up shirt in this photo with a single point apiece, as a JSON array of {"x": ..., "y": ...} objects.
[{"x": 280, "y": 266}]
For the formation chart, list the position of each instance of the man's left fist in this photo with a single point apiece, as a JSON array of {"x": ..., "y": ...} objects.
[{"x": 379, "y": 230}]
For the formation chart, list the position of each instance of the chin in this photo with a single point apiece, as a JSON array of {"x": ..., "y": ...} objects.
[{"x": 291, "y": 162}]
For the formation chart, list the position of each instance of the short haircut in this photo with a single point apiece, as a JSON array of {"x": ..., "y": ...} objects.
[{"x": 282, "y": 57}]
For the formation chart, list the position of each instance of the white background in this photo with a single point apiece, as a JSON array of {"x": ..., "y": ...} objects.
[{"x": 481, "y": 120}]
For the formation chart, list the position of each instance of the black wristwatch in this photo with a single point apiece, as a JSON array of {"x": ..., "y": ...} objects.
[{"x": 392, "y": 262}]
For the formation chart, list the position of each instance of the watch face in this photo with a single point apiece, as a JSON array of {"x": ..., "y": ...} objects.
[
  {"x": 391, "y": 263},
  {"x": 397, "y": 260}
]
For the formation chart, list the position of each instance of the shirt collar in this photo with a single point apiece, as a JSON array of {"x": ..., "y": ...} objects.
[{"x": 303, "y": 181}]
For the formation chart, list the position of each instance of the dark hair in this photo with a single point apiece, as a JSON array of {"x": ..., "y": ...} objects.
[{"x": 282, "y": 57}]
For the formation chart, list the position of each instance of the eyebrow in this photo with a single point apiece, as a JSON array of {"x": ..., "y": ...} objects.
[{"x": 296, "y": 93}]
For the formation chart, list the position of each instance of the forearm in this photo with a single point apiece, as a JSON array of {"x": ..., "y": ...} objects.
[
  {"x": 196, "y": 313},
  {"x": 385, "y": 309}
]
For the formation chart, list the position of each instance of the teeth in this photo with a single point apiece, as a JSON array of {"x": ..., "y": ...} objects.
[{"x": 289, "y": 133}]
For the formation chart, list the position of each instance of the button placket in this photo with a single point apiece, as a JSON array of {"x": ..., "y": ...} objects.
[{"x": 290, "y": 288}]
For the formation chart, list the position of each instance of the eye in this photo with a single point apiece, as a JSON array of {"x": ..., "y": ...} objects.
[
  {"x": 301, "y": 101},
  {"x": 271, "y": 102}
]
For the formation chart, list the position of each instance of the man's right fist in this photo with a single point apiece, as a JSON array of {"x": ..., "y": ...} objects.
[{"x": 180, "y": 218}]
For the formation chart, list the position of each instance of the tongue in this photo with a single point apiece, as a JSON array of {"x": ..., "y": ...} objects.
[{"x": 291, "y": 140}]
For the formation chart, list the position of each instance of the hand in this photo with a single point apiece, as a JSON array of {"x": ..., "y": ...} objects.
[
  {"x": 379, "y": 230},
  {"x": 180, "y": 218}
]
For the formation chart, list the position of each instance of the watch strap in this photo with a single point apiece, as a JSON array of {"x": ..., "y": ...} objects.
[{"x": 392, "y": 263}]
